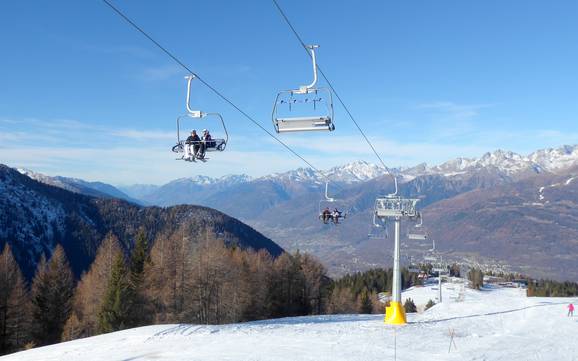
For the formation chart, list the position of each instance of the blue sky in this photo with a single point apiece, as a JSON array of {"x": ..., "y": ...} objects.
[{"x": 84, "y": 95}]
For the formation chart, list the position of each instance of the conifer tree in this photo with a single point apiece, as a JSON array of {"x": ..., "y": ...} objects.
[
  {"x": 90, "y": 292},
  {"x": 409, "y": 306},
  {"x": 115, "y": 311},
  {"x": 14, "y": 304},
  {"x": 365, "y": 305},
  {"x": 316, "y": 283},
  {"x": 257, "y": 275},
  {"x": 138, "y": 258},
  {"x": 287, "y": 289},
  {"x": 165, "y": 277},
  {"x": 52, "y": 290},
  {"x": 476, "y": 278},
  {"x": 342, "y": 300},
  {"x": 139, "y": 314},
  {"x": 429, "y": 304}
]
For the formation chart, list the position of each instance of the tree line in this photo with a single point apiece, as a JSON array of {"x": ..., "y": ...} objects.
[{"x": 172, "y": 281}]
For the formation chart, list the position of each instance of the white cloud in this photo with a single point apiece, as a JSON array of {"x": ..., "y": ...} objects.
[
  {"x": 162, "y": 72},
  {"x": 144, "y": 134},
  {"x": 458, "y": 111}
]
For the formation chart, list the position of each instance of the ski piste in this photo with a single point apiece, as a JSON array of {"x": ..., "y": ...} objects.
[{"x": 491, "y": 324}]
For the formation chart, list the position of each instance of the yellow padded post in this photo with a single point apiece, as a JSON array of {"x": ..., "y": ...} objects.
[{"x": 395, "y": 314}]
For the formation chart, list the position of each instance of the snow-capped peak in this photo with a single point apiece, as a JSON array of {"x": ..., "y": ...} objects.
[
  {"x": 358, "y": 171},
  {"x": 554, "y": 159},
  {"x": 206, "y": 180},
  {"x": 296, "y": 175},
  {"x": 506, "y": 162}
]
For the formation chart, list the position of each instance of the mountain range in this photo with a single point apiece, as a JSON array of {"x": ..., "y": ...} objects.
[{"x": 503, "y": 207}]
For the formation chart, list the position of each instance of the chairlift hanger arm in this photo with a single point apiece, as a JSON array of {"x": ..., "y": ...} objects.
[
  {"x": 192, "y": 113},
  {"x": 327, "y": 198},
  {"x": 306, "y": 88}
]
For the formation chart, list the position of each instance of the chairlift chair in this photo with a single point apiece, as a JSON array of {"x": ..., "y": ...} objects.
[
  {"x": 418, "y": 235},
  {"x": 395, "y": 207},
  {"x": 213, "y": 145},
  {"x": 288, "y": 113},
  {"x": 412, "y": 267},
  {"x": 331, "y": 204},
  {"x": 378, "y": 228}
]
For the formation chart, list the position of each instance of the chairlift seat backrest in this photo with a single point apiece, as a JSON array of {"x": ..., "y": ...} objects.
[{"x": 215, "y": 145}]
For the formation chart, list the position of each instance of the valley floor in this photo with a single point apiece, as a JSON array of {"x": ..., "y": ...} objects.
[{"x": 492, "y": 324}]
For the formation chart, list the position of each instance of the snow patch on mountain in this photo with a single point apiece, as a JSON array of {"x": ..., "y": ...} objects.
[{"x": 564, "y": 183}]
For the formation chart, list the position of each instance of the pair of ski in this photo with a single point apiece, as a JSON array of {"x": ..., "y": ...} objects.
[{"x": 194, "y": 159}]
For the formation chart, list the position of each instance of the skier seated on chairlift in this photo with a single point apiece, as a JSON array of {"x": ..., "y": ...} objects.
[
  {"x": 326, "y": 215},
  {"x": 192, "y": 146},
  {"x": 336, "y": 215},
  {"x": 208, "y": 140}
]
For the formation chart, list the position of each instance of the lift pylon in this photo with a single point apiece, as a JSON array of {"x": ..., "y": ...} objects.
[{"x": 396, "y": 208}]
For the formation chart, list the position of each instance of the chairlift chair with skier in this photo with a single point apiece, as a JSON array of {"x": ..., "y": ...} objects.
[
  {"x": 193, "y": 149},
  {"x": 329, "y": 209}
]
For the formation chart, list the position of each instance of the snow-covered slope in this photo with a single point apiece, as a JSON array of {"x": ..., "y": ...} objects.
[{"x": 493, "y": 324}]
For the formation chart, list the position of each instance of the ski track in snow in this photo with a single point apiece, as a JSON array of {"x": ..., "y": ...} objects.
[{"x": 492, "y": 324}]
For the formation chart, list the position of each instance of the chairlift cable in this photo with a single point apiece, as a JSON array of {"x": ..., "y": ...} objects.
[
  {"x": 337, "y": 95},
  {"x": 213, "y": 89}
]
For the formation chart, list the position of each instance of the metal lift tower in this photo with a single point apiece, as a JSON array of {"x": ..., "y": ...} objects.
[{"x": 395, "y": 208}]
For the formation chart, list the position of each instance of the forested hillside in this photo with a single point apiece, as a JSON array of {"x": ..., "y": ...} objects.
[{"x": 35, "y": 217}]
